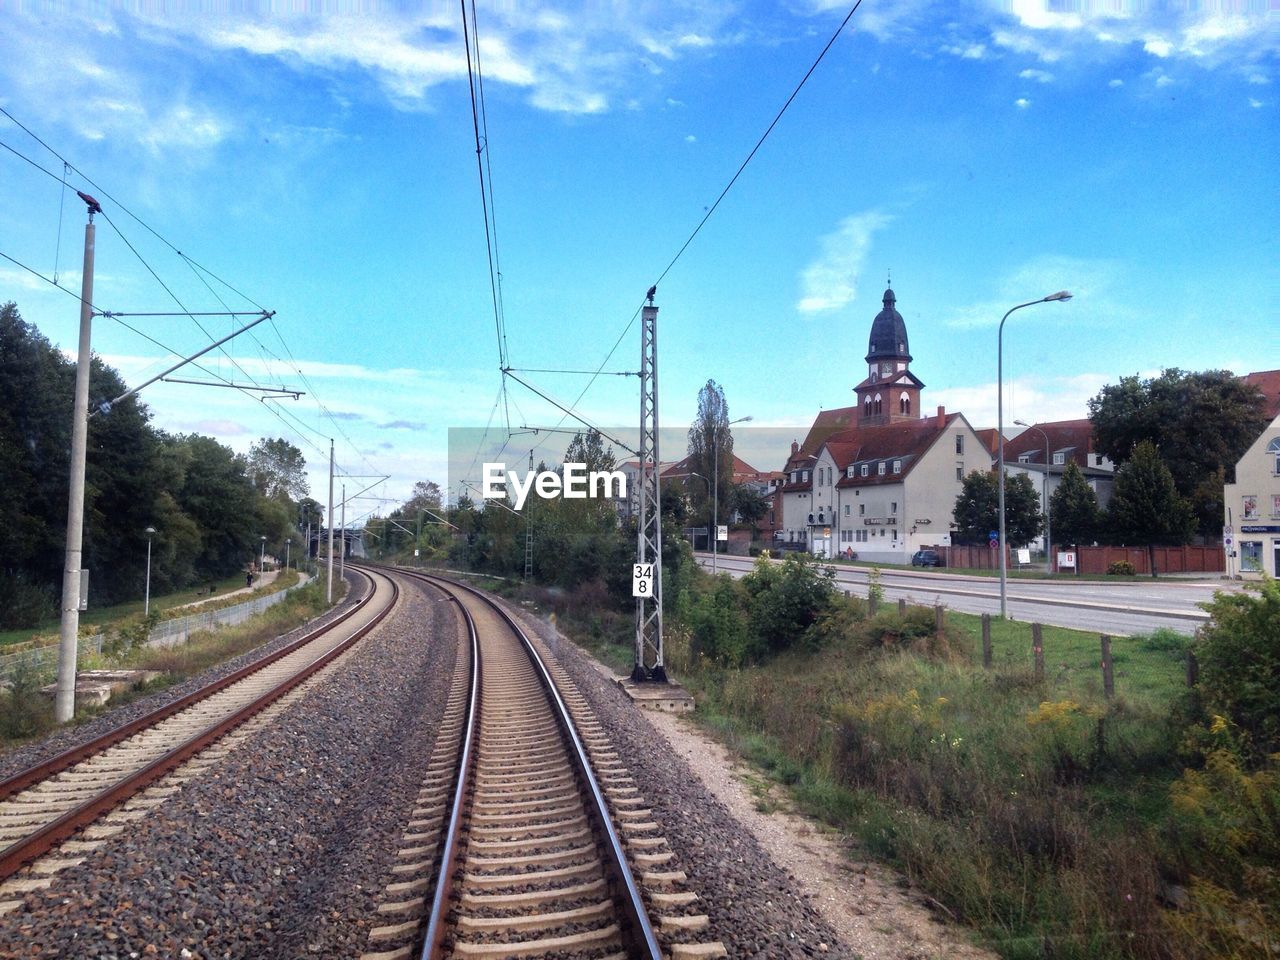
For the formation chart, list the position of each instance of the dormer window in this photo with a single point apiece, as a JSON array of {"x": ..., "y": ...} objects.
[
  {"x": 1060, "y": 457},
  {"x": 850, "y": 471},
  {"x": 897, "y": 466},
  {"x": 1024, "y": 458},
  {"x": 880, "y": 468},
  {"x": 1273, "y": 451},
  {"x": 865, "y": 468}
]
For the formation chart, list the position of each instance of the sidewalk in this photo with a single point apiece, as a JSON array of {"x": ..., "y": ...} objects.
[{"x": 258, "y": 581}]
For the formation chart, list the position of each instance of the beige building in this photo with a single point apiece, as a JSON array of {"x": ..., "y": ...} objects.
[
  {"x": 1251, "y": 533},
  {"x": 877, "y": 479}
]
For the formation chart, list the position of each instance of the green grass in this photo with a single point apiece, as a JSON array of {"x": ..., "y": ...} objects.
[{"x": 98, "y": 617}]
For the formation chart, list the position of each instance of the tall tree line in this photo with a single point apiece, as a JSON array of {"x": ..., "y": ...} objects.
[{"x": 210, "y": 506}]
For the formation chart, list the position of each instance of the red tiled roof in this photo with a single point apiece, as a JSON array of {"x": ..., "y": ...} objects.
[
  {"x": 906, "y": 441},
  {"x": 1268, "y": 381},
  {"x": 1074, "y": 437},
  {"x": 825, "y": 424},
  {"x": 742, "y": 471},
  {"x": 989, "y": 438}
]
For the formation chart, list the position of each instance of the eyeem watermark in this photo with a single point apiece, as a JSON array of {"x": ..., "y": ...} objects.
[{"x": 576, "y": 483}]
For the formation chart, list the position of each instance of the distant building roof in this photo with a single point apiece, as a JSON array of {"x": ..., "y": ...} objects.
[
  {"x": 1268, "y": 381},
  {"x": 1072, "y": 438},
  {"x": 742, "y": 471}
]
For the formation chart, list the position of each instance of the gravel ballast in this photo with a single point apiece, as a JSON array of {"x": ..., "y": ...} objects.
[{"x": 281, "y": 849}]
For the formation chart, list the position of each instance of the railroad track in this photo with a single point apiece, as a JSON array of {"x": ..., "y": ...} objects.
[
  {"x": 42, "y": 808},
  {"x": 529, "y": 838}
]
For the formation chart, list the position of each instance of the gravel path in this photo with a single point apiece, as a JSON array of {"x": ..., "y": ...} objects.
[{"x": 282, "y": 848}]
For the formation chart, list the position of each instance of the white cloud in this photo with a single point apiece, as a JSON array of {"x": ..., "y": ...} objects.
[
  {"x": 1257, "y": 79},
  {"x": 690, "y": 138},
  {"x": 830, "y": 282},
  {"x": 1115, "y": 83},
  {"x": 1030, "y": 398},
  {"x": 1255, "y": 103},
  {"x": 1089, "y": 281},
  {"x": 1022, "y": 103},
  {"x": 1163, "y": 80},
  {"x": 1040, "y": 76},
  {"x": 968, "y": 51}
]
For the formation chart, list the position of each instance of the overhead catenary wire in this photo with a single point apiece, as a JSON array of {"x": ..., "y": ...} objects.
[
  {"x": 200, "y": 271},
  {"x": 714, "y": 206}
]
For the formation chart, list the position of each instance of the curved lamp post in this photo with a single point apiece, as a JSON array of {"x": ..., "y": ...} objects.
[
  {"x": 1044, "y": 495},
  {"x": 288, "y": 542},
  {"x": 1004, "y": 560},
  {"x": 262, "y": 557},
  {"x": 146, "y": 603},
  {"x": 715, "y": 493}
]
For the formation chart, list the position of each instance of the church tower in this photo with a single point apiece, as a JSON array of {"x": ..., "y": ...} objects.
[{"x": 891, "y": 392}]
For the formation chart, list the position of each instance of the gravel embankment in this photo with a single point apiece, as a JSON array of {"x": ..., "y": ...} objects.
[
  {"x": 753, "y": 904},
  {"x": 282, "y": 848}
]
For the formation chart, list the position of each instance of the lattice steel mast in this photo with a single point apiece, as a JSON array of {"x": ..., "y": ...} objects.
[{"x": 649, "y": 664}]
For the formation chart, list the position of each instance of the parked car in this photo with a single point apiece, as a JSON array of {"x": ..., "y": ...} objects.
[{"x": 926, "y": 558}]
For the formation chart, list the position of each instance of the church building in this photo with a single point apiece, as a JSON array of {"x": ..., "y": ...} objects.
[{"x": 878, "y": 479}]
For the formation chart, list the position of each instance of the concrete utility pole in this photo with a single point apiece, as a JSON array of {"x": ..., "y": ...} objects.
[
  {"x": 342, "y": 557},
  {"x": 329, "y": 524},
  {"x": 64, "y": 701},
  {"x": 649, "y": 532}
]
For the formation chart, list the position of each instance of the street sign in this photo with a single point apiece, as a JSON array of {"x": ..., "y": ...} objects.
[
  {"x": 642, "y": 580},
  {"x": 722, "y": 532},
  {"x": 1067, "y": 558},
  {"x": 994, "y": 535}
]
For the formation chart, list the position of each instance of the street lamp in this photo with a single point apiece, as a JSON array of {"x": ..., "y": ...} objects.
[
  {"x": 146, "y": 603},
  {"x": 287, "y": 542},
  {"x": 715, "y": 493},
  {"x": 262, "y": 557},
  {"x": 1044, "y": 486},
  {"x": 1004, "y": 560},
  {"x": 707, "y": 481}
]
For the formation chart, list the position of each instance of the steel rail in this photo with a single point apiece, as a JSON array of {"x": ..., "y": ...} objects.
[
  {"x": 47, "y": 768},
  {"x": 49, "y": 836},
  {"x": 637, "y": 930},
  {"x": 466, "y": 768}
]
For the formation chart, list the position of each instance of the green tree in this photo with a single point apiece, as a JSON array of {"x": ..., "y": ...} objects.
[
  {"x": 278, "y": 469},
  {"x": 750, "y": 504},
  {"x": 711, "y": 440},
  {"x": 1145, "y": 506},
  {"x": 1239, "y": 654},
  {"x": 1201, "y": 423},
  {"x": 977, "y": 509},
  {"x": 1074, "y": 509}
]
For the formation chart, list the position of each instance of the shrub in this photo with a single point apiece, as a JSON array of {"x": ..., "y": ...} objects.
[
  {"x": 24, "y": 604},
  {"x": 718, "y": 625},
  {"x": 24, "y": 710},
  {"x": 786, "y": 599},
  {"x": 1122, "y": 568},
  {"x": 1239, "y": 654},
  {"x": 1164, "y": 640}
]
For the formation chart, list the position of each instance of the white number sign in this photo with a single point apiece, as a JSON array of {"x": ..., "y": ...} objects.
[{"x": 642, "y": 580}]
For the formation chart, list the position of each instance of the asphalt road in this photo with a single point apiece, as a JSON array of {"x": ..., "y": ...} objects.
[{"x": 1116, "y": 608}]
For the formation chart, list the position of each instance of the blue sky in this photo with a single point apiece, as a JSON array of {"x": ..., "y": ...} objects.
[{"x": 320, "y": 159}]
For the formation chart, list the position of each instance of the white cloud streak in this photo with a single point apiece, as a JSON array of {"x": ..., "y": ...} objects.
[{"x": 831, "y": 281}]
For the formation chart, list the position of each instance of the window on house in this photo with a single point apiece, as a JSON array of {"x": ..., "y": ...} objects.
[
  {"x": 1273, "y": 448},
  {"x": 862, "y": 509},
  {"x": 846, "y": 509},
  {"x": 897, "y": 466},
  {"x": 865, "y": 468},
  {"x": 904, "y": 405},
  {"x": 860, "y": 536},
  {"x": 894, "y": 531},
  {"x": 1275, "y": 505},
  {"x": 959, "y": 443},
  {"x": 893, "y": 506},
  {"x": 1060, "y": 457},
  {"x": 877, "y": 408},
  {"x": 880, "y": 468},
  {"x": 819, "y": 476},
  {"x": 866, "y": 407},
  {"x": 960, "y": 471},
  {"x": 1024, "y": 458},
  {"x": 849, "y": 472},
  {"x": 1097, "y": 459}
]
